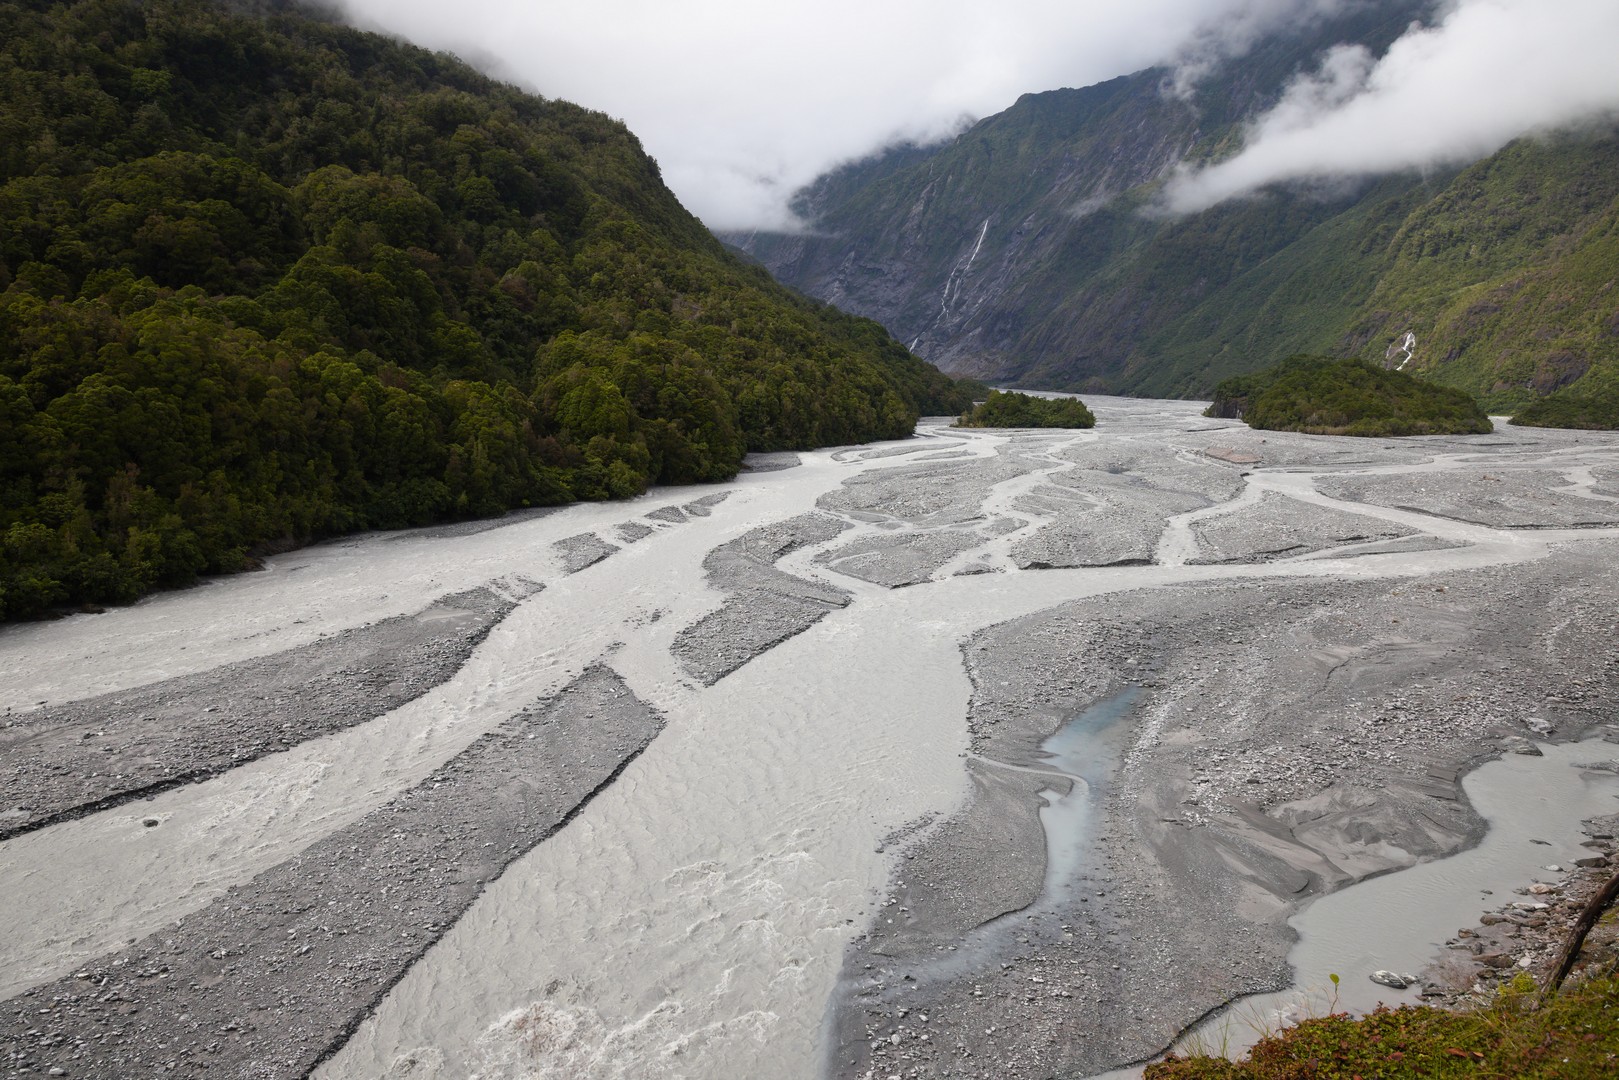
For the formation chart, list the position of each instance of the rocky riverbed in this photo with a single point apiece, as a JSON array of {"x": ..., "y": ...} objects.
[{"x": 764, "y": 781}]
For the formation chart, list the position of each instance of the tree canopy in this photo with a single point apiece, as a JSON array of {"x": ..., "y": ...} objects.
[
  {"x": 1009, "y": 409},
  {"x": 1323, "y": 396},
  {"x": 264, "y": 278}
]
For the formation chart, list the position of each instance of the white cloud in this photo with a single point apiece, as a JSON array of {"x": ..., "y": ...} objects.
[
  {"x": 1488, "y": 72},
  {"x": 743, "y": 102}
]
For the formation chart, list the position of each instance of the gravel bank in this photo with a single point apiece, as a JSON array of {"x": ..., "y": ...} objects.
[
  {"x": 943, "y": 493},
  {"x": 897, "y": 560},
  {"x": 1293, "y": 736},
  {"x": 70, "y": 760},
  {"x": 270, "y": 980},
  {"x": 581, "y": 551},
  {"x": 1281, "y": 527},
  {"x": 763, "y": 606},
  {"x": 1528, "y": 931},
  {"x": 1487, "y": 495},
  {"x": 1109, "y": 509}
]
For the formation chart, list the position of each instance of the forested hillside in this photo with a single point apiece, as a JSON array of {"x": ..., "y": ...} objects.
[
  {"x": 265, "y": 278},
  {"x": 1028, "y": 250},
  {"x": 1322, "y": 395}
]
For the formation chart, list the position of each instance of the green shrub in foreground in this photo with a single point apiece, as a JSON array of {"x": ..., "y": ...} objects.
[{"x": 1571, "y": 1036}]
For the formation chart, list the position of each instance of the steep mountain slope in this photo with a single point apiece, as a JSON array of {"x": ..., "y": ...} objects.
[
  {"x": 264, "y": 277},
  {"x": 1025, "y": 250}
]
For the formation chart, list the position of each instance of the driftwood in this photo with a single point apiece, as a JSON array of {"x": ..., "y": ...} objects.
[{"x": 1582, "y": 926}]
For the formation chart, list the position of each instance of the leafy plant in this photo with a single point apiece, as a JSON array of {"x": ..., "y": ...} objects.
[{"x": 1570, "y": 1036}]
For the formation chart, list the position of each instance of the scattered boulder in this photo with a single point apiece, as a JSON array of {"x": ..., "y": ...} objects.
[
  {"x": 1517, "y": 744},
  {"x": 1394, "y": 979}
]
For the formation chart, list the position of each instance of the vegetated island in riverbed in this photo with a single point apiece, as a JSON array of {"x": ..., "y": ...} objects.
[
  {"x": 1592, "y": 403},
  {"x": 1006, "y": 409},
  {"x": 1319, "y": 395},
  {"x": 268, "y": 279}
]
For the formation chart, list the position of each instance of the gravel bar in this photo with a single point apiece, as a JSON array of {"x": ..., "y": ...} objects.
[
  {"x": 272, "y": 978},
  {"x": 70, "y": 760}
]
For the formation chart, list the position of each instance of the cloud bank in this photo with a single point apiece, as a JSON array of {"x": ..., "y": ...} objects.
[
  {"x": 744, "y": 102},
  {"x": 1487, "y": 72}
]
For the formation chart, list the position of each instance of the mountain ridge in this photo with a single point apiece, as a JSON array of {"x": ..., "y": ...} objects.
[
  {"x": 265, "y": 277},
  {"x": 1027, "y": 250}
]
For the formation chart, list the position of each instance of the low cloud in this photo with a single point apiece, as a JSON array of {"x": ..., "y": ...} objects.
[
  {"x": 742, "y": 103},
  {"x": 1487, "y": 72}
]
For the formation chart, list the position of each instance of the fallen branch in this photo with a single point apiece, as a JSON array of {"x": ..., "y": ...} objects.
[{"x": 1582, "y": 926}]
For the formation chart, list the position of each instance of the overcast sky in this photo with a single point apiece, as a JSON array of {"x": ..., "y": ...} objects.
[
  {"x": 744, "y": 101},
  {"x": 1486, "y": 73}
]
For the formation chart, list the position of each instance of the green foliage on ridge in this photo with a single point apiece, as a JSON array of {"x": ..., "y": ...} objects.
[
  {"x": 1003, "y": 409},
  {"x": 1591, "y": 403},
  {"x": 264, "y": 279},
  {"x": 1323, "y": 396}
]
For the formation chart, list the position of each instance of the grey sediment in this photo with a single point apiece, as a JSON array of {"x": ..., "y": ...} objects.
[
  {"x": 1278, "y": 526},
  {"x": 763, "y": 605},
  {"x": 581, "y": 551},
  {"x": 66, "y": 761},
  {"x": 1293, "y": 736},
  {"x": 272, "y": 978}
]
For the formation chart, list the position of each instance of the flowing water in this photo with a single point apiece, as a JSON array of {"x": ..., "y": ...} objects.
[
  {"x": 1401, "y": 921},
  {"x": 692, "y": 919}
]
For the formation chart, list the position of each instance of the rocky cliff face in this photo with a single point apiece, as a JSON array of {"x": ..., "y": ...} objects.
[
  {"x": 943, "y": 244},
  {"x": 1024, "y": 249}
]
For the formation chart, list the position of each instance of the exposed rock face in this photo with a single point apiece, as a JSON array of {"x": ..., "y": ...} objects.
[
  {"x": 1030, "y": 250},
  {"x": 998, "y": 253}
]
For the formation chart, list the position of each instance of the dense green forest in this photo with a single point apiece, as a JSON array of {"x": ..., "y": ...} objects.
[
  {"x": 1003, "y": 409},
  {"x": 265, "y": 278},
  {"x": 1592, "y": 402},
  {"x": 1324, "y": 396}
]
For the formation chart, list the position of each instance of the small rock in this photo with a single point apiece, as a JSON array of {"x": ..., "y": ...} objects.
[
  {"x": 1517, "y": 744},
  {"x": 1390, "y": 979}
]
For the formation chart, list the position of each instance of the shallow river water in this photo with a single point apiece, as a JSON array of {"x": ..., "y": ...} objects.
[{"x": 691, "y": 921}]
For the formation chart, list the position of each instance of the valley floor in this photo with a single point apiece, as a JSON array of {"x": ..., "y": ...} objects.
[{"x": 978, "y": 754}]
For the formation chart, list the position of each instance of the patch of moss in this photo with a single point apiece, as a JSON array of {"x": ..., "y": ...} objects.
[{"x": 1573, "y": 1035}]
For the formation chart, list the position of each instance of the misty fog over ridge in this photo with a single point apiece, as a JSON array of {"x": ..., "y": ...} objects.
[{"x": 743, "y": 105}]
